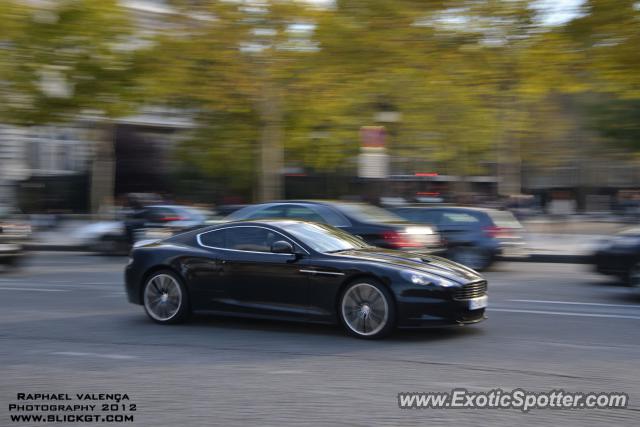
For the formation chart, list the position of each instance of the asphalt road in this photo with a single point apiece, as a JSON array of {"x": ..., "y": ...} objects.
[{"x": 65, "y": 327}]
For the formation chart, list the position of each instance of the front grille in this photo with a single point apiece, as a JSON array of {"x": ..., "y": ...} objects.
[{"x": 471, "y": 290}]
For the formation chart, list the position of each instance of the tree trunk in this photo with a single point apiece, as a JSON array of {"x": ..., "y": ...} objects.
[
  {"x": 270, "y": 182},
  {"x": 103, "y": 171}
]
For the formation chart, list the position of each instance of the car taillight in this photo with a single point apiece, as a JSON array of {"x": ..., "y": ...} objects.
[
  {"x": 498, "y": 232},
  {"x": 400, "y": 240},
  {"x": 171, "y": 218}
]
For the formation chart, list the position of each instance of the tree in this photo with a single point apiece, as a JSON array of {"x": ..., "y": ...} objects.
[
  {"x": 62, "y": 59},
  {"x": 234, "y": 64}
]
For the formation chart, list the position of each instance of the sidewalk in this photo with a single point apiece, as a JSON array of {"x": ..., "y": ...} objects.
[{"x": 567, "y": 248}]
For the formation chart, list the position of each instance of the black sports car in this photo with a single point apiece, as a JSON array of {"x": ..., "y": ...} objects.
[{"x": 298, "y": 270}]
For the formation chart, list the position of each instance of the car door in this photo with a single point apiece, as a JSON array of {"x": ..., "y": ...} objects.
[
  {"x": 207, "y": 272},
  {"x": 261, "y": 282},
  {"x": 459, "y": 228}
]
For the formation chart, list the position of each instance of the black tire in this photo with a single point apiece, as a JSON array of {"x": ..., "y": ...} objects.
[
  {"x": 473, "y": 257},
  {"x": 374, "y": 298},
  {"x": 14, "y": 263},
  {"x": 633, "y": 275},
  {"x": 110, "y": 246},
  {"x": 159, "y": 293}
]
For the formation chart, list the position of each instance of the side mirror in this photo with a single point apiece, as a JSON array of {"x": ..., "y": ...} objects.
[{"x": 282, "y": 247}]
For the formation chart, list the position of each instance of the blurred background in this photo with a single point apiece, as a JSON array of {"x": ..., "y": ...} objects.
[
  {"x": 480, "y": 130},
  {"x": 530, "y": 105}
]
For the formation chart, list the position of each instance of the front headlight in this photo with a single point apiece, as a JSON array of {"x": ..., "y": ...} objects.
[
  {"x": 418, "y": 278},
  {"x": 419, "y": 230}
]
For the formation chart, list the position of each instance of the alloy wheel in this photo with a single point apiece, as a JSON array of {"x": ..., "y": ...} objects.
[
  {"x": 365, "y": 309},
  {"x": 162, "y": 297}
]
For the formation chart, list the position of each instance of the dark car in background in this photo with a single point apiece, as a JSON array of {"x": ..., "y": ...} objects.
[
  {"x": 374, "y": 225},
  {"x": 475, "y": 237},
  {"x": 620, "y": 256},
  {"x": 14, "y": 233}
]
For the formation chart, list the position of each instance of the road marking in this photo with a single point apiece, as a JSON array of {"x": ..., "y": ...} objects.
[
  {"x": 82, "y": 354},
  {"x": 33, "y": 289},
  {"x": 57, "y": 285},
  {"x": 565, "y": 313},
  {"x": 102, "y": 283},
  {"x": 575, "y": 303}
]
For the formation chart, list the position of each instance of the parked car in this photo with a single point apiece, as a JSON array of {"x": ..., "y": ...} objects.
[
  {"x": 298, "y": 270},
  {"x": 374, "y": 225},
  {"x": 154, "y": 221},
  {"x": 620, "y": 256},
  {"x": 14, "y": 233},
  {"x": 475, "y": 237}
]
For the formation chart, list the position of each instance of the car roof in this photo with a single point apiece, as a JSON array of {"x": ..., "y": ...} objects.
[
  {"x": 277, "y": 222},
  {"x": 167, "y": 206},
  {"x": 313, "y": 202},
  {"x": 460, "y": 208}
]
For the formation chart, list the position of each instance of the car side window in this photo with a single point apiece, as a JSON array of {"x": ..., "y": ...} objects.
[
  {"x": 303, "y": 212},
  {"x": 255, "y": 239},
  {"x": 459, "y": 218},
  {"x": 331, "y": 217},
  {"x": 411, "y": 214},
  {"x": 268, "y": 212},
  {"x": 215, "y": 239}
]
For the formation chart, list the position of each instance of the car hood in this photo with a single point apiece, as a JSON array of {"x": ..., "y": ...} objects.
[{"x": 416, "y": 261}]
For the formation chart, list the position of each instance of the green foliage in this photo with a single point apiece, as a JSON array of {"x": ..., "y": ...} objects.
[
  {"x": 469, "y": 78},
  {"x": 60, "y": 58},
  {"x": 616, "y": 119}
]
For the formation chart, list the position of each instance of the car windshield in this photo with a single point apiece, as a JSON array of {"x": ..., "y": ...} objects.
[
  {"x": 368, "y": 213},
  {"x": 323, "y": 238}
]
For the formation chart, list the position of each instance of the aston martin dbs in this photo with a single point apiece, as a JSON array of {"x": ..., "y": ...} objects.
[{"x": 303, "y": 271}]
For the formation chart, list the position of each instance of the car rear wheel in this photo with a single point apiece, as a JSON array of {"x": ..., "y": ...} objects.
[
  {"x": 633, "y": 277},
  {"x": 367, "y": 310},
  {"x": 110, "y": 245},
  {"x": 472, "y": 257},
  {"x": 165, "y": 298}
]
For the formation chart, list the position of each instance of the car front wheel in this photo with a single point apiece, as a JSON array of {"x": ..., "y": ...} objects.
[
  {"x": 367, "y": 310},
  {"x": 165, "y": 298}
]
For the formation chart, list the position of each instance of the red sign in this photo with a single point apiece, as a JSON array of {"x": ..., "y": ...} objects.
[{"x": 373, "y": 136}]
